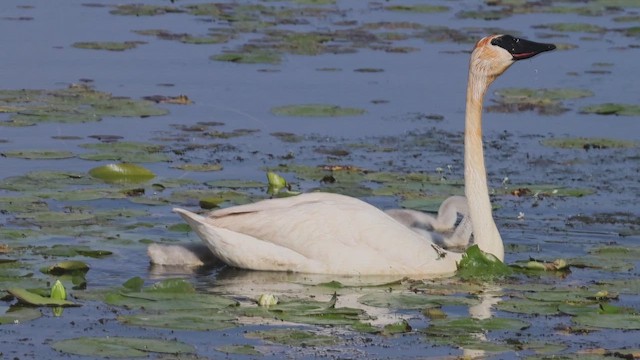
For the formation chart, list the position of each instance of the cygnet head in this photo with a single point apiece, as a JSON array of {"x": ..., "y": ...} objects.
[{"x": 493, "y": 54}]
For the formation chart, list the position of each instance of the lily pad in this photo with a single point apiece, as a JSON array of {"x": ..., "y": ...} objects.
[
  {"x": 108, "y": 45},
  {"x": 257, "y": 57},
  {"x": 19, "y": 314},
  {"x": 39, "y": 154},
  {"x": 77, "y": 103},
  {"x": 30, "y": 298},
  {"x": 316, "y": 110},
  {"x": 612, "y": 109},
  {"x": 128, "y": 152},
  {"x": 588, "y": 143},
  {"x": 294, "y": 337},
  {"x": 198, "y": 167},
  {"x": 66, "y": 267},
  {"x": 122, "y": 173},
  {"x": 120, "y": 347},
  {"x": 239, "y": 350},
  {"x": 418, "y": 8},
  {"x": 609, "y": 321},
  {"x": 190, "y": 319},
  {"x": 544, "y": 101}
]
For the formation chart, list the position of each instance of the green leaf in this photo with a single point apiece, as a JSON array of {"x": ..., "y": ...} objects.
[
  {"x": 120, "y": 347},
  {"x": 316, "y": 110},
  {"x": 476, "y": 264},
  {"x": 123, "y": 173},
  {"x": 66, "y": 267},
  {"x": 294, "y": 337},
  {"x": 30, "y": 298},
  {"x": 19, "y": 314}
]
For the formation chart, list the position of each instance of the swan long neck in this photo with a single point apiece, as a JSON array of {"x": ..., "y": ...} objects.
[{"x": 485, "y": 231}]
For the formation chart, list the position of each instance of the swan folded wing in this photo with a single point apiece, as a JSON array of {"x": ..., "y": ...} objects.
[
  {"x": 245, "y": 251},
  {"x": 341, "y": 233},
  {"x": 283, "y": 203}
]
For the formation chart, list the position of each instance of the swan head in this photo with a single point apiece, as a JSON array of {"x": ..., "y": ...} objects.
[{"x": 493, "y": 54}]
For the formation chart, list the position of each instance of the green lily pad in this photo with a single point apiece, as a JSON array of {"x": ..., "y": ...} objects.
[
  {"x": 609, "y": 321},
  {"x": 72, "y": 250},
  {"x": 19, "y": 314},
  {"x": 144, "y": 10},
  {"x": 39, "y": 154},
  {"x": 573, "y": 27},
  {"x": 256, "y": 57},
  {"x": 396, "y": 300},
  {"x": 307, "y": 312},
  {"x": 30, "y": 298},
  {"x": 198, "y": 167},
  {"x": 239, "y": 350},
  {"x": 452, "y": 327},
  {"x": 128, "y": 152},
  {"x": 588, "y": 143},
  {"x": 122, "y": 173},
  {"x": 612, "y": 109},
  {"x": 107, "y": 45},
  {"x": 120, "y": 347},
  {"x": 524, "y": 306},
  {"x": 77, "y": 103},
  {"x": 190, "y": 319},
  {"x": 54, "y": 218},
  {"x": 291, "y": 337},
  {"x": 418, "y": 8},
  {"x": 316, "y": 110},
  {"x": 65, "y": 267},
  {"x": 235, "y": 184},
  {"x": 544, "y": 101}
]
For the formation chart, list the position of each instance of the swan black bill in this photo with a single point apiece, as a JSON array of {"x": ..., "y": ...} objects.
[{"x": 521, "y": 49}]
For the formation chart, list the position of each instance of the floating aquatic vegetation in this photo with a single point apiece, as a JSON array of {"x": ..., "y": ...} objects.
[
  {"x": 543, "y": 190},
  {"x": 187, "y": 38},
  {"x": 288, "y": 137},
  {"x": 31, "y": 298},
  {"x": 588, "y": 143},
  {"x": 120, "y": 347},
  {"x": 19, "y": 314},
  {"x": 612, "y": 109},
  {"x": 239, "y": 350},
  {"x": 293, "y": 337},
  {"x": 66, "y": 267},
  {"x": 255, "y": 57},
  {"x": 544, "y": 101},
  {"x": 572, "y": 27},
  {"x": 126, "y": 152},
  {"x": 316, "y": 110},
  {"x": 418, "y": 8},
  {"x": 479, "y": 265},
  {"x": 77, "y": 103},
  {"x": 144, "y": 10},
  {"x": 198, "y": 167},
  {"x": 122, "y": 173},
  {"x": 71, "y": 251},
  {"x": 39, "y": 154},
  {"x": 108, "y": 45}
]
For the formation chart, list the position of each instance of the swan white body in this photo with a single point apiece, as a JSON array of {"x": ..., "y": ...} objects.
[
  {"x": 441, "y": 229},
  {"x": 336, "y": 234}
]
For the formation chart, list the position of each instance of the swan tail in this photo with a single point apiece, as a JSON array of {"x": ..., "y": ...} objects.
[{"x": 245, "y": 251}]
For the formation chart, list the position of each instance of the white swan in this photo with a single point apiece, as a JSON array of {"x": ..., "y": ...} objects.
[
  {"x": 441, "y": 229},
  {"x": 336, "y": 234}
]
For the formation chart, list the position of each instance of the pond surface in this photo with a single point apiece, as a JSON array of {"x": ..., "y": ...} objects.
[{"x": 563, "y": 157}]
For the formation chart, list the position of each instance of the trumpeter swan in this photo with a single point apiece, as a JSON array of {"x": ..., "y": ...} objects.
[{"x": 336, "y": 234}]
